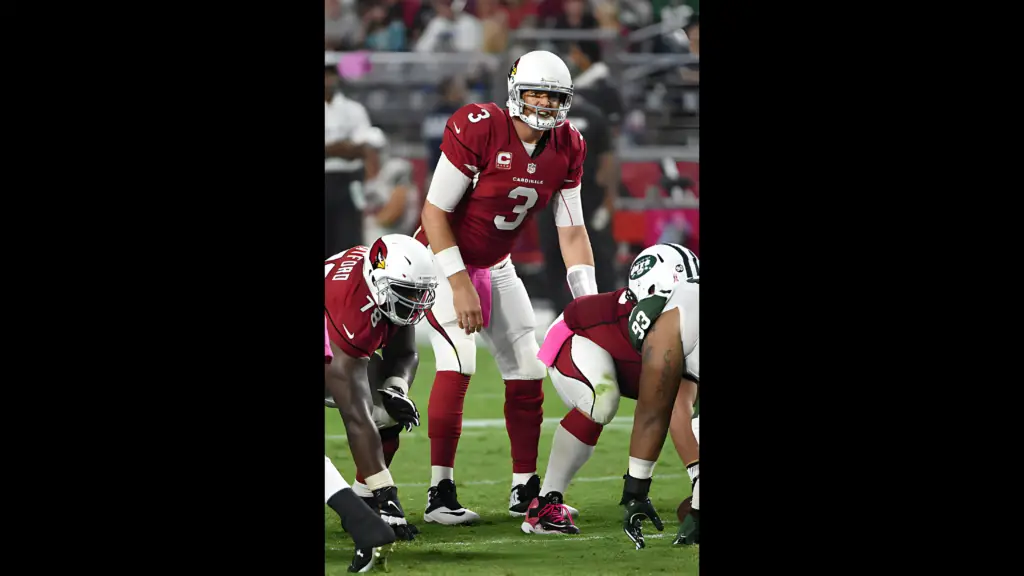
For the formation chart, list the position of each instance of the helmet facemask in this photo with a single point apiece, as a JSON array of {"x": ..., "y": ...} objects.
[
  {"x": 404, "y": 302},
  {"x": 557, "y": 116}
]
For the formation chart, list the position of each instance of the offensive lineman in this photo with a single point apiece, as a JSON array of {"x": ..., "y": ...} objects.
[
  {"x": 497, "y": 168},
  {"x": 373, "y": 297}
]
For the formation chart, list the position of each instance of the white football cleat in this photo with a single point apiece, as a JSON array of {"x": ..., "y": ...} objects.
[{"x": 443, "y": 506}]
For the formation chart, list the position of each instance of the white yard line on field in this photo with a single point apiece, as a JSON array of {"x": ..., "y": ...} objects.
[
  {"x": 619, "y": 424},
  {"x": 506, "y": 481}
]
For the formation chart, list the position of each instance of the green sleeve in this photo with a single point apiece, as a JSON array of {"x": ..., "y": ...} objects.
[{"x": 642, "y": 318}]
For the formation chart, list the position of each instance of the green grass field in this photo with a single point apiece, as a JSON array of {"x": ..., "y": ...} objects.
[{"x": 483, "y": 473}]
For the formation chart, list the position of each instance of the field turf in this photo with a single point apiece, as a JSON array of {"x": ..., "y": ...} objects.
[{"x": 496, "y": 546}]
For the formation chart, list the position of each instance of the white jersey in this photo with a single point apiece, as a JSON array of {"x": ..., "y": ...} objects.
[{"x": 685, "y": 297}]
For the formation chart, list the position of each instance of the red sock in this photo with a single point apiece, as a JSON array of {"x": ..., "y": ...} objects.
[
  {"x": 524, "y": 413},
  {"x": 390, "y": 447},
  {"x": 444, "y": 416},
  {"x": 584, "y": 429}
]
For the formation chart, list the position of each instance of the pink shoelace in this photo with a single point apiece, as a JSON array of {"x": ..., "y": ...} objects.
[{"x": 556, "y": 513}]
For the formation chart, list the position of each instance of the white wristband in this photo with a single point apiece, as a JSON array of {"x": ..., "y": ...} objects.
[
  {"x": 582, "y": 280},
  {"x": 396, "y": 382},
  {"x": 450, "y": 260}
]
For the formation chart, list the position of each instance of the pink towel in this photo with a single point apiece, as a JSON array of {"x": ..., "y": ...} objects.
[
  {"x": 481, "y": 279},
  {"x": 354, "y": 65},
  {"x": 557, "y": 336},
  {"x": 327, "y": 345}
]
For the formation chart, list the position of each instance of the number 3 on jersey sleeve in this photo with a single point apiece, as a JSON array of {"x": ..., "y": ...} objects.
[
  {"x": 502, "y": 223},
  {"x": 483, "y": 115}
]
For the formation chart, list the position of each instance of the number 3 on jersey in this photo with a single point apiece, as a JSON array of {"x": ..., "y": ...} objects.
[
  {"x": 502, "y": 223},
  {"x": 483, "y": 115}
]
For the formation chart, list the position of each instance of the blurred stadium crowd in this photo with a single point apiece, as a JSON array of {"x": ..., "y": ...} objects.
[{"x": 408, "y": 64}]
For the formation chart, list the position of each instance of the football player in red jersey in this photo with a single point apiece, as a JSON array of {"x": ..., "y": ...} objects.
[
  {"x": 369, "y": 531},
  {"x": 373, "y": 297},
  {"x": 593, "y": 359},
  {"x": 497, "y": 168}
]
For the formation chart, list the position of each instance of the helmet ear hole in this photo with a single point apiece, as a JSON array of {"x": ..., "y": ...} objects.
[{"x": 650, "y": 292}]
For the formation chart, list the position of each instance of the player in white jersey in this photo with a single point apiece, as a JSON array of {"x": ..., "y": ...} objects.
[{"x": 665, "y": 327}]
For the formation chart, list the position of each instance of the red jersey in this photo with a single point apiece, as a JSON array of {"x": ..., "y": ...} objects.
[
  {"x": 354, "y": 323},
  {"x": 604, "y": 319},
  {"x": 509, "y": 185}
]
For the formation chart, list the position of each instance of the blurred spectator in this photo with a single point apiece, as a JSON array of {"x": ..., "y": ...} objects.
[
  {"x": 607, "y": 16},
  {"x": 635, "y": 14},
  {"x": 693, "y": 33},
  {"x": 450, "y": 29},
  {"x": 453, "y": 96},
  {"x": 674, "y": 15},
  {"x": 520, "y": 13},
  {"x": 342, "y": 29},
  {"x": 548, "y": 12},
  {"x": 599, "y": 188},
  {"x": 392, "y": 201},
  {"x": 675, "y": 11},
  {"x": 350, "y": 156},
  {"x": 495, "y": 25},
  {"x": 592, "y": 80},
  {"x": 690, "y": 74},
  {"x": 384, "y": 26},
  {"x": 576, "y": 15}
]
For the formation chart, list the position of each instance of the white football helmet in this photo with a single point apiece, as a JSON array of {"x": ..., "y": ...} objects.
[
  {"x": 400, "y": 274},
  {"x": 659, "y": 269},
  {"x": 543, "y": 71}
]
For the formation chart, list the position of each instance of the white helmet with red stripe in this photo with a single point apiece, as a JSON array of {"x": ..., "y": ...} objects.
[{"x": 399, "y": 272}]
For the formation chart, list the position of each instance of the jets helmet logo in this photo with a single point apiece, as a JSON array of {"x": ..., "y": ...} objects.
[
  {"x": 379, "y": 254},
  {"x": 642, "y": 266}
]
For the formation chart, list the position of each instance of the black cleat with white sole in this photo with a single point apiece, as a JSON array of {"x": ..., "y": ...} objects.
[
  {"x": 370, "y": 533},
  {"x": 443, "y": 506},
  {"x": 391, "y": 512},
  {"x": 521, "y": 496}
]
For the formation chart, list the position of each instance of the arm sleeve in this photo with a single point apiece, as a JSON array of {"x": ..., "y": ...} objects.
[
  {"x": 579, "y": 156},
  {"x": 568, "y": 207},
  {"x": 448, "y": 185}
]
